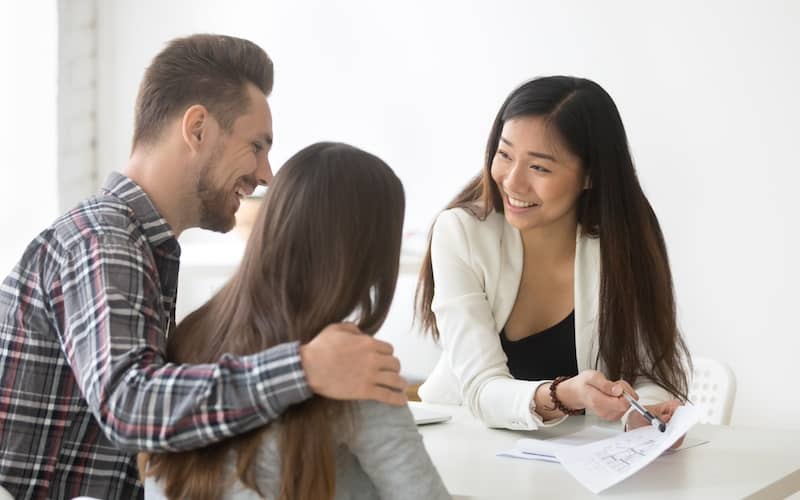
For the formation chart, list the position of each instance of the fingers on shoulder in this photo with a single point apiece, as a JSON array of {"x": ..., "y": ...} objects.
[
  {"x": 391, "y": 380},
  {"x": 388, "y": 396},
  {"x": 375, "y": 362},
  {"x": 381, "y": 346}
]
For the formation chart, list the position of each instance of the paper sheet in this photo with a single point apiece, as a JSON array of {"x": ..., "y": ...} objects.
[
  {"x": 545, "y": 449},
  {"x": 605, "y": 463}
]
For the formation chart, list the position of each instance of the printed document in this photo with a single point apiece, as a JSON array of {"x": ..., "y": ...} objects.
[{"x": 604, "y": 463}]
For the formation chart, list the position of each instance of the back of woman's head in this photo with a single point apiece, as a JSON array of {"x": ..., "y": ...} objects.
[
  {"x": 325, "y": 248},
  {"x": 326, "y": 244}
]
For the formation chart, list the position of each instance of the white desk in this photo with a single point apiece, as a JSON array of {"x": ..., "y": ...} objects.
[{"x": 737, "y": 463}]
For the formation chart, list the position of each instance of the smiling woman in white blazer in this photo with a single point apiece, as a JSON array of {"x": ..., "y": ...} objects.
[{"x": 556, "y": 223}]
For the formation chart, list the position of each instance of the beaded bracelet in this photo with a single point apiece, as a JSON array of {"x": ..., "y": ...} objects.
[{"x": 557, "y": 404}]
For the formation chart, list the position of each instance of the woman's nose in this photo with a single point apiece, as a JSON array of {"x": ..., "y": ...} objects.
[{"x": 516, "y": 180}]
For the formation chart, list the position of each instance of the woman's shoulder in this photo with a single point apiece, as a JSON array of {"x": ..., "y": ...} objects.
[
  {"x": 374, "y": 420},
  {"x": 481, "y": 241},
  {"x": 472, "y": 220},
  {"x": 382, "y": 414}
]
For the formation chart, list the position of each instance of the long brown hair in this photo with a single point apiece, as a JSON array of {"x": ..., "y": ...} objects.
[
  {"x": 638, "y": 330},
  {"x": 325, "y": 247}
]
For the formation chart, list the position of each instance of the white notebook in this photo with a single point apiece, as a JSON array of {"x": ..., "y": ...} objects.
[{"x": 424, "y": 416}]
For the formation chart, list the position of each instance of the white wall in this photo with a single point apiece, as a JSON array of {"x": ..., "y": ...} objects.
[
  {"x": 708, "y": 92},
  {"x": 28, "y": 128},
  {"x": 77, "y": 98}
]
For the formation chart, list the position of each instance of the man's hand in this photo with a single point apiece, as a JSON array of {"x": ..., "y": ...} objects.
[
  {"x": 664, "y": 411},
  {"x": 343, "y": 363}
]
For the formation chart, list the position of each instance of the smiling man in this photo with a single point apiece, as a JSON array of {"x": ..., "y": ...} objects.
[{"x": 84, "y": 315}]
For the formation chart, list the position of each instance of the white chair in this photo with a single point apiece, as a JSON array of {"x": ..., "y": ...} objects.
[{"x": 713, "y": 389}]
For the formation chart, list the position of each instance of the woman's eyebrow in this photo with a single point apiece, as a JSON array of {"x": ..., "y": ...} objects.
[{"x": 530, "y": 153}]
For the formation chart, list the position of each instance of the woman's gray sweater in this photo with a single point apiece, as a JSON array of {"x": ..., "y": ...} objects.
[{"x": 382, "y": 458}]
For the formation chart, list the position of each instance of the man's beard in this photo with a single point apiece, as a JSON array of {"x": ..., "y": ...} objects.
[{"x": 215, "y": 204}]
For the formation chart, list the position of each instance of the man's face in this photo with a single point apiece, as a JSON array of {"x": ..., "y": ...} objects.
[{"x": 238, "y": 164}]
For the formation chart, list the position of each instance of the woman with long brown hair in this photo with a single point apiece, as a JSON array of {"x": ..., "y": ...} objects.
[
  {"x": 325, "y": 248},
  {"x": 547, "y": 281}
]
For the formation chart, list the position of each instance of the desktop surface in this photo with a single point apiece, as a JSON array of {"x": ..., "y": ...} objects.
[{"x": 736, "y": 463}]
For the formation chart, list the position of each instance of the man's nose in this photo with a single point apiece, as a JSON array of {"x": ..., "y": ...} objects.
[{"x": 264, "y": 172}]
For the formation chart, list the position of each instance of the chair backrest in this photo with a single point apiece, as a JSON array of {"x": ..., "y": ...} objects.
[{"x": 713, "y": 389}]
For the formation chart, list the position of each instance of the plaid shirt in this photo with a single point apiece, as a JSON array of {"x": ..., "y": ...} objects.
[{"x": 83, "y": 379}]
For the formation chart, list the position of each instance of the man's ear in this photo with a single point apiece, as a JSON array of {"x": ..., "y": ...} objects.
[{"x": 194, "y": 126}]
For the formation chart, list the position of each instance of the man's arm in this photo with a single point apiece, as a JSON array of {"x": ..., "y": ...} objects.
[
  {"x": 111, "y": 329},
  {"x": 113, "y": 338}
]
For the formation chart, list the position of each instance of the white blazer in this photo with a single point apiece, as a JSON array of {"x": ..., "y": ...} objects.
[{"x": 477, "y": 268}]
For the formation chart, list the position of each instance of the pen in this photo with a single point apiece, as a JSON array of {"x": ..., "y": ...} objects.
[{"x": 654, "y": 421}]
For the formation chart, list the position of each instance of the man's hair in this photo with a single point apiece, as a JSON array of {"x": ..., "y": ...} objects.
[{"x": 206, "y": 69}]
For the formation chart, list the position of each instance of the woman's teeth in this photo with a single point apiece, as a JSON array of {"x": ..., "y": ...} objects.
[{"x": 519, "y": 203}]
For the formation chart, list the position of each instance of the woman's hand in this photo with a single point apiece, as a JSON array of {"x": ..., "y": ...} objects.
[
  {"x": 590, "y": 389},
  {"x": 664, "y": 411}
]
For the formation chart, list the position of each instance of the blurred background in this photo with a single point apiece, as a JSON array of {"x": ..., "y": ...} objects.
[{"x": 708, "y": 92}]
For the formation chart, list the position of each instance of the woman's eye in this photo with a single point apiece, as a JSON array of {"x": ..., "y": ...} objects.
[
  {"x": 503, "y": 154},
  {"x": 257, "y": 147},
  {"x": 539, "y": 168}
]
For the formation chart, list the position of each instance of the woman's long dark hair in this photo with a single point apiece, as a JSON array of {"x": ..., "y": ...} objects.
[
  {"x": 325, "y": 247},
  {"x": 639, "y": 335}
]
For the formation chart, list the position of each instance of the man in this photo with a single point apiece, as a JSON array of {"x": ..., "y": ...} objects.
[{"x": 84, "y": 315}]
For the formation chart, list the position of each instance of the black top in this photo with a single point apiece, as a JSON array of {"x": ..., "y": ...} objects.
[{"x": 545, "y": 355}]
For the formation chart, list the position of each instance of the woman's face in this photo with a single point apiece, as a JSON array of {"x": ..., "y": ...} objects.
[{"x": 539, "y": 179}]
